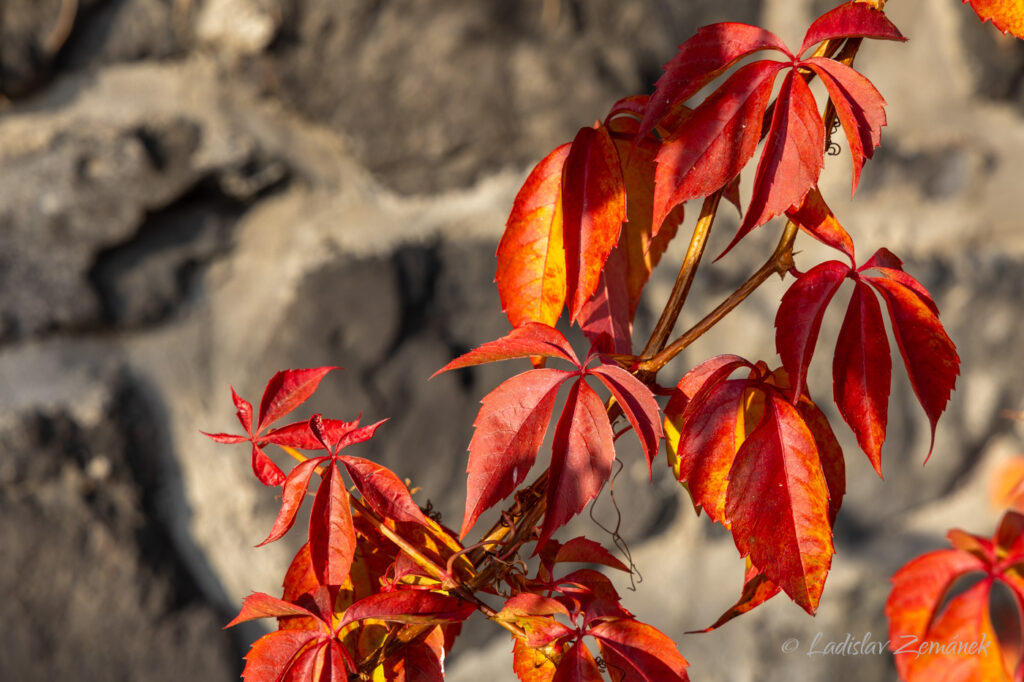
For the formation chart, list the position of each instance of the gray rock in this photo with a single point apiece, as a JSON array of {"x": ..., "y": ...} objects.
[
  {"x": 92, "y": 578},
  {"x": 434, "y": 97}
]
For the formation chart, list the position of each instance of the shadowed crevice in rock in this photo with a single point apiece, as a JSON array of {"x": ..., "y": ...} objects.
[
  {"x": 99, "y": 581},
  {"x": 152, "y": 277}
]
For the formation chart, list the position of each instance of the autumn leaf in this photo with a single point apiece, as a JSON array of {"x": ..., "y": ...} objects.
[
  {"x": 514, "y": 417},
  {"x": 1006, "y": 15},
  {"x": 862, "y": 364},
  {"x": 312, "y": 653},
  {"x": 593, "y": 210},
  {"x": 769, "y": 471},
  {"x": 631, "y": 650},
  {"x": 610, "y": 312},
  {"x": 409, "y": 606},
  {"x": 531, "y": 255},
  {"x": 333, "y": 435},
  {"x": 285, "y": 391},
  {"x": 582, "y": 455},
  {"x": 710, "y": 145},
  {"x": 814, "y": 217},
  {"x": 937, "y": 630}
]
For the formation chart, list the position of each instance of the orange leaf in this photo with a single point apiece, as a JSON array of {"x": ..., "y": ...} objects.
[
  {"x": 531, "y": 256},
  {"x": 593, "y": 210},
  {"x": 1006, "y": 15}
]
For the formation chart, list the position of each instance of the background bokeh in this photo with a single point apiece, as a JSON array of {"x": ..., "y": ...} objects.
[{"x": 197, "y": 193}]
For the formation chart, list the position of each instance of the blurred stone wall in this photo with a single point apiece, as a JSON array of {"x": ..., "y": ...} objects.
[{"x": 197, "y": 193}]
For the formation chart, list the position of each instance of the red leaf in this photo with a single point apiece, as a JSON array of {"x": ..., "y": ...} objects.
[
  {"x": 814, "y": 217},
  {"x": 581, "y": 458},
  {"x": 798, "y": 319},
  {"x": 332, "y": 537},
  {"x": 533, "y": 613},
  {"x": 717, "y": 141},
  {"x": 578, "y": 665},
  {"x": 243, "y": 411},
  {"x": 528, "y": 340},
  {"x": 383, "y": 491},
  {"x": 300, "y": 581},
  {"x": 606, "y": 318},
  {"x": 415, "y": 662},
  {"x": 757, "y": 589},
  {"x": 793, "y": 156},
  {"x": 286, "y": 390},
  {"x": 860, "y": 108},
  {"x": 711, "y": 51},
  {"x": 777, "y": 501},
  {"x": 350, "y": 435},
  {"x": 304, "y": 667},
  {"x": 1006, "y": 15},
  {"x": 636, "y": 651},
  {"x": 928, "y": 353},
  {"x": 292, "y": 497},
  {"x": 527, "y": 604},
  {"x": 509, "y": 430},
  {"x": 637, "y": 404},
  {"x": 294, "y": 435},
  {"x": 226, "y": 438},
  {"x": 409, "y": 606},
  {"x": 708, "y": 444},
  {"x": 917, "y": 593},
  {"x": 271, "y": 655},
  {"x": 593, "y": 210},
  {"x": 536, "y": 665},
  {"x": 886, "y": 264},
  {"x": 833, "y": 466},
  {"x": 641, "y": 243},
  {"x": 583, "y": 550},
  {"x": 594, "y": 594},
  {"x": 862, "y": 372},
  {"x": 850, "y": 20},
  {"x": 259, "y": 605},
  {"x": 266, "y": 471},
  {"x": 531, "y": 255}
]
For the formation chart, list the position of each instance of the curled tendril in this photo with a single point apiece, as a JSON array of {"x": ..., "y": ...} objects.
[
  {"x": 834, "y": 149},
  {"x": 634, "y": 573}
]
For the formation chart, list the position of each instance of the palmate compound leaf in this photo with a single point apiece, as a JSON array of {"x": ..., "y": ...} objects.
[
  {"x": 311, "y": 653},
  {"x": 514, "y": 418},
  {"x": 937, "y": 630},
  {"x": 333, "y": 435},
  {"x": 861, "y": 365},
  {"x": 587, "y": 605},
  {"x": 1006, "y": 15},
  {"x": 285, "y": 391},
  {"x": 769, "y": 471},
  {"x": 707, "y": 149}
]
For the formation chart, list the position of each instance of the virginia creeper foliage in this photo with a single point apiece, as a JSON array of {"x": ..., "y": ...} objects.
[{"x": 379, "y": 589}]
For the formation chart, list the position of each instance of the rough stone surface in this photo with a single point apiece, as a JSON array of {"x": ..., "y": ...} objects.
[
  {"x": 86, "y": 550},
  {"x": 190, "y": 202}
]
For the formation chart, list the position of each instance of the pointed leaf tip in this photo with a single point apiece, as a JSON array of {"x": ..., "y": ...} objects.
[
  {"x": 286, "y": 390},
  {"x": 526, "y": 340}
]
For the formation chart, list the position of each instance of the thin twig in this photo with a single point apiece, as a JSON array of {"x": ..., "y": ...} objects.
[{"x": 684, "y": 280}]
